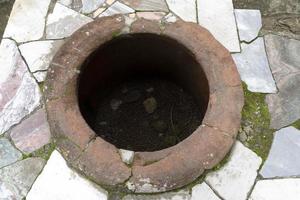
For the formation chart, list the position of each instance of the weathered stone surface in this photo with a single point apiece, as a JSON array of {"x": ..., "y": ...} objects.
[
  {"x": 38, "y": 56},
  {"x": 170, "y": 18},
  {"x": 17, "y": 179},
  {"x": 32, "y": 133},
  {"x": 151, "y": 15},
  {"x": 185, "y": 9},
  {"x": 277, "y": 189},
  {"x": 58, "y": 181},
  {"x": 127, "y": 156},
  {"x": 249, "y": 23},
  {"x": 27, "y": 20},
  {"x": 218, "y": 17},
  {"x": 101, "y": 161},
  {"x": 117, "y": 8},
  {"x": 253, "y": 66},
  {"x": 283, "y": 159},
  {"x": 284, "y": 61},
  {"x": 8, "y": 154},
  {"x": 19, "y": 93},
  {"x": 235, "y": 179},
  {"x": 83, "y": 6},
  {"x": 147, "y": 5},
  {"x": 178, "y": 195},
  {"x": 203, "y": 191},
  {"x": 63, "y": 22}
]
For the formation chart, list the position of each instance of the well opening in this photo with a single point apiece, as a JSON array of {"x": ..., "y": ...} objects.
[{"x": 142, "y": 92}]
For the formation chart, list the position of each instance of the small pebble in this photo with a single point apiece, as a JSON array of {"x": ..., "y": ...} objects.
[
  {"x": 115, "y": 104},
  {"x": 150, "y": 105}
]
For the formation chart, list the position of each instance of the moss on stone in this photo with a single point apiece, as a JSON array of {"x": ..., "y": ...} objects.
[
  {"x": 296, "y": 124},
  {"x": 44, "y": 152},
  {"x": 255, "y": 123}
]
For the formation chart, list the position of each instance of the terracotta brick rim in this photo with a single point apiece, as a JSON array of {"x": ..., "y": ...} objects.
[{"x": 156, "y": 171}]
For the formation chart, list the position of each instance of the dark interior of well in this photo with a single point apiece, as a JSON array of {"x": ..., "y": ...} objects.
[{"x": 143, "y": 92}]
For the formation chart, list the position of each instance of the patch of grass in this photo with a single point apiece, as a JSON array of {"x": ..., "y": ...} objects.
[
  {"x": 43, "y": 152},
  {"x": 255, "y": 123},
  {"x": 296, "y": 124}
]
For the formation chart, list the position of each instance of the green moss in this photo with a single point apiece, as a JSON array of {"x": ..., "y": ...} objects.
[
  {"x": 45, "y": 151},
  {"x": 256, "y": 123},
  {"x": 296, "y": 124}
]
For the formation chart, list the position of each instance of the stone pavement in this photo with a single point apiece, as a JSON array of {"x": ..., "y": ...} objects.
[{"x": 31, "y": 168}]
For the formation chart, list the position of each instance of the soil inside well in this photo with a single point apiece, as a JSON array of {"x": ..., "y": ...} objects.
[{"x": 146, "y": 115}]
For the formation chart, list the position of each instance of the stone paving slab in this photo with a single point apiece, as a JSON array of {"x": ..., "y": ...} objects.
[
  {"x": 179, "y": 195},
  {"x": 32, "y": 133},
  {"x": 185, "y": 9},
  {"x": 27, "y": 20},
  {"x": 62, "y": 22},
  {"x": 8, "y": 154},
  {"x": 236, "y": 178},
  {"x": 203, "y": 191},
  {"x": 280, "y": 189},
  {"x": 252, "y": 64},
  {"x": 284, "y": 156},
  {"x": 39, "y": 54},
  {"x": 83, "y": 6},
  {"x": 249, "y": 23},
  {"x": 147, "y": 5},
  {"x": 17, "y": 179},
  {"x": 19, "y": 93},
  {"x": 117, "y": 8},
  {"x": 218, "y": 17},
  {"x": 59, "y": 182},
  {"x": 283, "y": 54}
]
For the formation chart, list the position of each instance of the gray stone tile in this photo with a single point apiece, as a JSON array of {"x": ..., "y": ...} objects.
[
  {"x": 58, "y": 182},
  {"x": 179, "y": 195},
  {"x": 283, "y": 54},
  {"x": 147, "y": 5},
  {"x": 83, "y": 6},
  {"x": 235, "y": 179},
  {"x": 63, "y": 22},
  {"x": 218, "y": 17},
  {"x": 117, "y": 8},
  {"x": 16, "y": 179},
  {"x": 249, "y": 23},
  {"x": 253, "y": 66},
  {"x": 19, "y": 92},
  {"x": 27, "y": 20},
  {"x": 283, "y": 159},
  {"x": 185, "y": 9},
  {"x": 281, "y": 189},
  {"x": 203, "y": 191},
  {"x": 8, "y": 154},
  {"x": 32, "y": 133}
]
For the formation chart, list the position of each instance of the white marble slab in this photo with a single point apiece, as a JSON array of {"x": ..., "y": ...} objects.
[
  {"x": 281, "y": 189},
  {"x": 58, "y": 182},
  {"x": 83, "y": 6},
  {"x": 203, "y": 191},
  {"x": 236, "y": 178},
  {"x": 185, "y": 9},
  {"x": 249, "y": 23},
  {"x": 27, "y": 20},
  {"x": 117, "y": 8},
  {"x": 218, "y": 17},
  {"x": 63, "y": 21},
  {"x": 253, "y": 66}
]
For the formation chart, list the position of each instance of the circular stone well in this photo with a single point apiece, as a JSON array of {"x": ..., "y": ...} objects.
[{"x": 105, "y": 53}]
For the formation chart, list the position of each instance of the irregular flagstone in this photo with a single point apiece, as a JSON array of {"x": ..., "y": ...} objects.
[
  {"x": 38, "y": 56},
  {"x": 179, "y": 195},
  {"x": 283, "y": 54},
  {"x": 283, "y": 159},
  {"x": 19, "y": 93},
  {"x": 147, "y": 5},
  {"x": 249, "y": 23},
  {"x": 218, "y": 17},
  {"x": 8, "y": 154},
  {"x": 83, "y": 6},
  {"x": 185, "y": 9},
  {"x": 277, "y": 189},
  {"x": 59, "y": 182},
  {"x": 32, "y": 133},
  {"x": 16, "y": 179},
  {"x": 253, "y": 66},
  {"x": 235, "y": 179},
  {"x": 27, "y": 20},
  {"x": 117, "y": 8},
  {"x": 63, "y": 22},
  {"x": 203, "y": 191}
]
